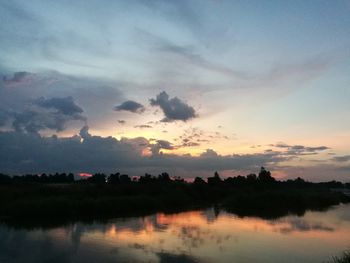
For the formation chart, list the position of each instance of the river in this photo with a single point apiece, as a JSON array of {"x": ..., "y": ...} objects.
[{"x": 195, "y": 236}]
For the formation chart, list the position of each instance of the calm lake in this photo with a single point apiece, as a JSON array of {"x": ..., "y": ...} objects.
[{"x": 196, "y": 236}]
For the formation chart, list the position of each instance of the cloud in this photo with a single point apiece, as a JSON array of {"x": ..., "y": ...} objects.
[
  {"x": 21, "y": 77},
  {"x": 344, "y": 158},
  {"x": 174, "y": 109},
  {"x": 95, "y": 96},
  {"x": 143, "y": 126},
  {"x": 187, "y": 55},
  {"x": 318, "y": 172},
  {"x": 3, "y": 117},
  {"x": 53, "y": 113},
  {"x": 300, "y": 149},
  {"x": 308, "y": 149},
  {"x": 165, "y": 144},
  {"x": 84, "y": 133},
  {"x": 131, "y": 106},
  {"x": 188, "y": 143},
  {"x": 88, "y": 153},
  {"x": 160, "y": 144},
  {"x": 63, "y": 105},
  {"x": 79, "y": 153},
  {"x": 209, "y": 153},
  {"x": 195, "y": 136},
  {"x": 280, "y": 145},
  {"x": 290, "y": 225},
  {"x": 45, "y": 245}
]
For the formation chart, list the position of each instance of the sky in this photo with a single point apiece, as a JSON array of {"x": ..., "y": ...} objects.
[{"x": 186, "y": 87}]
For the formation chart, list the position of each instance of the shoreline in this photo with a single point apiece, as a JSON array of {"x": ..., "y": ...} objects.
[{"x": 40, "y": 202}]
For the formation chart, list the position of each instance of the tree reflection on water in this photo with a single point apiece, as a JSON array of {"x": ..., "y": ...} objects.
[{"x": 195, "y": 236}]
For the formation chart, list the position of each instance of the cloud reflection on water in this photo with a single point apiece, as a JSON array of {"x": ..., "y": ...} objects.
[{"x": 196, "y": 236}]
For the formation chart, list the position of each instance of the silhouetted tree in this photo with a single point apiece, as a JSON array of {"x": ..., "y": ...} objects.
[
  {"x": 251, "y": 178},
  {"x": 124, "y": 179},
  {"x": 147, "y": 178},
  {"x": 5, "y": 179},
  {"x": 44, "y": 178},
  {"x": 215, "y": 179},
  {"x": 199, "y": 180},
  {"x": 164, "y": 178},
  {"x": 237, "y": 181},
  {"x": 178, "y": 179},
  {"x": 97, "y": 178},
  {"x": 70, "y": 178},
  {"x": 114, "y": 178},
  {"x": 265, "y": 176}
]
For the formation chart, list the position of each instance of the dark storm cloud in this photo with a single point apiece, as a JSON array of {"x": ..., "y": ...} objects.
[
  {"x": 32, "y": 153},
  {"x": 29, "y": 152},
  {"x": 50, "y": 91},
  {"x": 65, "y": 105},
  {"x": 174, "y": 108},
  {"x": 19, "y": 77},
  {"x": 24, "y": 109},
  {"x": 33, "y": 121},
  {"x": 131, "y": 106},
  {"x": 3, "y": 117},
  {"x": 53, "y": 113}
]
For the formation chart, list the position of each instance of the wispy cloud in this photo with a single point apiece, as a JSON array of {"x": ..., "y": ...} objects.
[
  {"x": 188, "y": 54},
  {"x": 344, "y": 158},
  {"x": 143, "y": 126}
]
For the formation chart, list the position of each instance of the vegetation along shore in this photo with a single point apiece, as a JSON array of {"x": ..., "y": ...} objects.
[{"x": 60, "y": 196}]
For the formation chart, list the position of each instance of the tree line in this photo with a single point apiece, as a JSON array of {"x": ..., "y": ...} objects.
[{"x": 264, "y": 177}]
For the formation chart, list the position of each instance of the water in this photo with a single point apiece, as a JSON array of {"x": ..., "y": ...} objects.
[{"x": 196, "y": 236}]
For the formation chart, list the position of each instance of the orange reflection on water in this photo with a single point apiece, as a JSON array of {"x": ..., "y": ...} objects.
[
  {"x": 186, "y": 218},
  {"x": 209, "y": 236}
]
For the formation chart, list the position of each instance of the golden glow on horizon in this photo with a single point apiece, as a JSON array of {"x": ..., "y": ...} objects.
[{"x": 238, "y": 146}]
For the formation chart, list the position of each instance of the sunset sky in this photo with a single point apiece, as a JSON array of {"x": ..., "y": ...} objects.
[{"x": 187, "y": 87}]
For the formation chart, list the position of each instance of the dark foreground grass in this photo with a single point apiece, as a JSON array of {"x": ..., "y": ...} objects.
[{"x": 344, "y": 258}]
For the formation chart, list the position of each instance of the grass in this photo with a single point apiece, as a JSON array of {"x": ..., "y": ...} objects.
[{"x": 344, "y": 258}]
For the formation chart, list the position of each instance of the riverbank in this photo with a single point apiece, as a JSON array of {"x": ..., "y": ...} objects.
[{"x": 90, "y": 201}]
